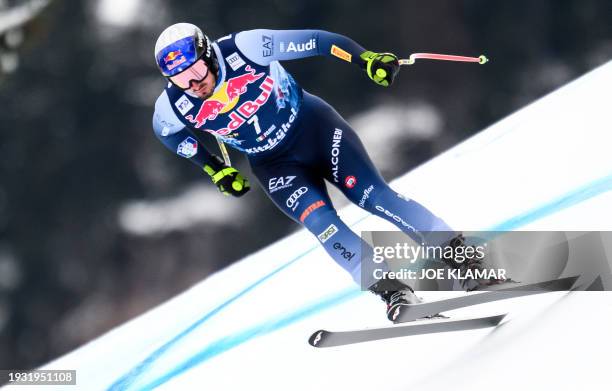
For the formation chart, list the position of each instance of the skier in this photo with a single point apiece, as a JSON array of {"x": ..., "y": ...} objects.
[{"x": 236, "y": 89}]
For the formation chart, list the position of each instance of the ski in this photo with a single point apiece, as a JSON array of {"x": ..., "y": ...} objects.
[
  {"x": 410, "y": 312},
  {"x": 324, "y": 338}
]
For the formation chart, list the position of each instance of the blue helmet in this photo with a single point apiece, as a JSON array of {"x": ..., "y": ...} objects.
[{"x": 179, "y": 46}]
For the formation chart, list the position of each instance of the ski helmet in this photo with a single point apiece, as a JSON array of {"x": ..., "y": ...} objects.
[{"x": 179, "y": 46}]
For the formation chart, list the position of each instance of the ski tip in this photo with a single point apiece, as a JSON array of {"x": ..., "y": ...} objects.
[
  {"x": 317, "y": 338},
  {"x": 561, "y": 284},
  {"x": 573, "y": 280},
  {"x": 557, "y": 284},
  {"x": 496, "y": 319}
]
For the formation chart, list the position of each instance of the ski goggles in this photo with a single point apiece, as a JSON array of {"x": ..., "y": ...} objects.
[{"x": 197, "y": 72}]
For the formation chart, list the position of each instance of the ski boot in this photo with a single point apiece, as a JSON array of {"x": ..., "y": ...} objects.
[
  {"x": 475, "y": 263},
  {"x": 395, "y": 294}
]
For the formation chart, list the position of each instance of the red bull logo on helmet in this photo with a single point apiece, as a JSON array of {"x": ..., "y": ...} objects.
[
  {"x": 173, "y": 59},
  {"x": 172, "y": 56}
]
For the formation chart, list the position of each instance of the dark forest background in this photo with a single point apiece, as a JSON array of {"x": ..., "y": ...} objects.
[{"x": 76, "y": 142}]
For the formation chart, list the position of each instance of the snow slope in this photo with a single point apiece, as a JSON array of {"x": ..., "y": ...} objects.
[{"x": 546, "y": 167}]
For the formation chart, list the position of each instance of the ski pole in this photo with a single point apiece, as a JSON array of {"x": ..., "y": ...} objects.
[
  {"x": 226, "y": 157},
  {"x": 444, "y": 57}
]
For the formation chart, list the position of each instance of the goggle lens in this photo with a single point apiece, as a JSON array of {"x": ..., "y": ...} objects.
[{"x": 198, "y": 72}]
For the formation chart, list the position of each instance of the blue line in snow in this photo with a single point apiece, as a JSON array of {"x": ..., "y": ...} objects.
[
  {"x": 572, "y": 198},
  {"x": 226, "y": 343},
  {"x": 126, "y": 380}
]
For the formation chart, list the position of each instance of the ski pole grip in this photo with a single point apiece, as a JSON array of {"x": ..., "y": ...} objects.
[{"x": 381, "y": 73}]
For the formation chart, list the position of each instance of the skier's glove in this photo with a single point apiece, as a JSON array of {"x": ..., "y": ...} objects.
[
  {"x": 228, "y": 179},
  {"x": 382, "y": 68}
]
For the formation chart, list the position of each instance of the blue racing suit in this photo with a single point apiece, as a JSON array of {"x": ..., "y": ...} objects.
[{"x": 294, "y": 140}]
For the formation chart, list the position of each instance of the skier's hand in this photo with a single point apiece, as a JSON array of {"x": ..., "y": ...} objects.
[
  {"x": 228, "y": 179},
  {"x": 382, "y": 68}
]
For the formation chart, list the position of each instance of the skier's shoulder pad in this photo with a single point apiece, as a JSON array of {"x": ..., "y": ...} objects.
[{"x": 257, "y": 45}]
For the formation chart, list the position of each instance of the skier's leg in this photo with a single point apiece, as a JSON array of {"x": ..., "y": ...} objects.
[
  {"x": 303, "y": 197},
  {"x": 351, "y": 170},
  {"x": 347, "y": 165}
]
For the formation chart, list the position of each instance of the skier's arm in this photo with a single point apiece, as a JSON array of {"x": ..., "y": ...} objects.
[
  {"x": 178, "y": 139},
  {"x": 264, "y": 46},
  {"x": 175, "y": 136}
]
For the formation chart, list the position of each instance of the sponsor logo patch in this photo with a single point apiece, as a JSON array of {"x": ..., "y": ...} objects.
[
  {"x": 183, "y": 104},
  {"x": 168, "y": 128},
  {"x": 311, "y": 208},
  {"x": 228, "y": 96},
  {"x": 188, "y": 148},
  {"x": 350, "y": 181},
  {"x": 174, "y": 59},
  {"x": 292, "y": 202},
  {"x": 279, "y": 183},
  {"x": 340, "y": 53},
  {"x": 400, "y": 220},
  {"x": 328, "y": 233},
  {"x": 277, "y": 135},
  {"x": 267, "y": 46},
  {"x": 235, "y": 61},
  {"x": 343, "y": 251},
  {"x": 299, "y": 47},
  {"x": 366, "y": 195},
  {"x": 335, "y": 153}
]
